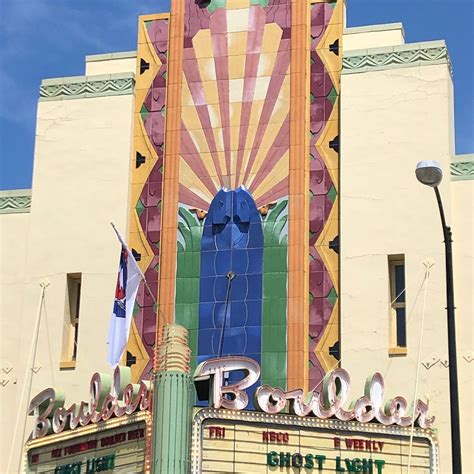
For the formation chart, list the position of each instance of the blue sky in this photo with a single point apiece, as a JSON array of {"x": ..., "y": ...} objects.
[{"x": 49, "y": 38}]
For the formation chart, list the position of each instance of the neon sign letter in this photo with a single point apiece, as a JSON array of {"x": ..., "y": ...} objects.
[{"x": 324, "y": 404}]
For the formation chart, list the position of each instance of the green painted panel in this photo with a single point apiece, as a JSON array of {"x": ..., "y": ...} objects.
[
  {"x": 274, "y": 285},
  {"x": 215, "y": 4},
  {"x": 275, "y": 363},
  {"x": 332, "y": 193},
  {"x": 275, "y": 258},
  {"x": 193, "y": 343},
  {"x": 274, "y": 312},
  {"x": 332, "y": 297},
  {"x": 332, "y": 96},
  {"x": 144, "y": 112},
  {"x": 139, "y": 207},
  {"x": 273, "y": 337},
  {"x": 187, "y": 274}
]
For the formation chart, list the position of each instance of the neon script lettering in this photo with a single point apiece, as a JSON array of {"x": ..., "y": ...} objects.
[
  {"x": 324, "y": 404},
  {"x": 107, "y": 397}
]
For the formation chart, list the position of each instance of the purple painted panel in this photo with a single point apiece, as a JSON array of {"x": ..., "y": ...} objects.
[
  {"x": 149, "y": 205},
  {"x": 320, "y": 184}
]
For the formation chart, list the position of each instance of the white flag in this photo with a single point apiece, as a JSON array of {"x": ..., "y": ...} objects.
[{"x": 128, "y": 280}]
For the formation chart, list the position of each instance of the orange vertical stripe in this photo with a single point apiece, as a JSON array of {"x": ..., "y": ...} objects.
[
  {"x": 298, "y": 212},
  {"x": 169, "y": 222}
]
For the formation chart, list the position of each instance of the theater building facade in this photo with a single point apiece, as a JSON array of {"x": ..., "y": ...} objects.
[{"x": 259, "y": 157}]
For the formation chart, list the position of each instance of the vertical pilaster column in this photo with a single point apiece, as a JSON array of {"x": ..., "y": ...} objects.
[
  {"x": 172, "y": 403},
  {"x": 298, "y": 213},
  {"x": 169, "y": 222}
]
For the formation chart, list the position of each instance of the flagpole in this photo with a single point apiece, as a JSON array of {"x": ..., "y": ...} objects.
[
  {"x": 147, "y": 286},
  {"x": 158, "y": 311}
]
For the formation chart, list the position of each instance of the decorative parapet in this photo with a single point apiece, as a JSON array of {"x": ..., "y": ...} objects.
[
  {"x": 111, "y": 56},
  {"x": 462, "y": 167},
  {"x": 357, "y": 30},
  {"x": 81, "y": 87},
  {"x": 390, "y": 57},
  {"x": 15, "y": 201}
]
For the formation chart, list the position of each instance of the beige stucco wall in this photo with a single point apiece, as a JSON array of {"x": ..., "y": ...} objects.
[
  {"x": 111, "y": 63},
  {"x": 374, "y": 36},
  {"x": 80, "y": 185},
  {"x": 391, "y": 119},
  {"x": 462, "y": 222},
  {"x": 14, "y": 230}
]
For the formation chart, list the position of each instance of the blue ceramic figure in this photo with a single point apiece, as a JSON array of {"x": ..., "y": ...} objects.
[{"x": 230, "y": 296}]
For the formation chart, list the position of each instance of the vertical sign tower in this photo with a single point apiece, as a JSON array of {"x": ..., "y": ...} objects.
[{"x": 234, "y": 207}]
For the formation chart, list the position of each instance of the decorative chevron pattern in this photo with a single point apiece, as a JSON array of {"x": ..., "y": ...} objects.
[
  {"x": 88, "y": 88},
  {"x": 444, "y": 363},
  {"x": 147, "y": 180},
  {"x": 462, "y": 170},
  {"x": 325, "y": 54},
  {"x": 15, "y": 201},
  {"x": 394, "y": 58}
]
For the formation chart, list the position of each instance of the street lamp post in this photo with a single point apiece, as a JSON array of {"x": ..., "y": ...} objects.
[{"x": 430, "y": 174}]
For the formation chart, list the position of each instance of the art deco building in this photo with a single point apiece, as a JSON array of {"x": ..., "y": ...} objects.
[{"x": 259, "y": 157}]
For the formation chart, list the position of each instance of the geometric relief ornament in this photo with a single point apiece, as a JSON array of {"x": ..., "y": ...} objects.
[
  {"x": 461, "y": 170},
  {"x": 233, "y": 174},
  {"x": 146, "y": 185},
  {"x": 15, "y": 201},
  {"x": 326, "y": 63}
]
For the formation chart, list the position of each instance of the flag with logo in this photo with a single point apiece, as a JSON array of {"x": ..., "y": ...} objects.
[{"x": 128, "y": 281}]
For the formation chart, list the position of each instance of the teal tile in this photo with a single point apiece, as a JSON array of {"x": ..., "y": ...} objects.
[
  {"x": 274, "y": 368},
  {"x": 179, "y": 289},
  {"x": 274, "y": 259},
  {"x": 281, "y": 382},
  {"x": 274, "y": 285},
  {"x": 274, "y": 338},
  {"x": 274, "y": 311},
  {"x": 193, "y": 341},
  {"x": 196, "y": 263},
  {"x": 187, "y": 315},
  {"x": 186, "y": 290},
  {"x": 193, "y": 316},
  {"x": 193, "y": 364},
  {"x": 179, "y": 315},
  {"x": 180, "y": 262}
]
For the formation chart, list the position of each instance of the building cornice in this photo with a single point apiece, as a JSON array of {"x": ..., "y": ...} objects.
[
  {"x": 15, "y": 201},
  {"x": 391, "y": 57},
  {"x": 462, "y": 167},
  {"x": 356, "y": 30},
  {"x": 108, "y": 56},
  {"x": 81, "y": 87}
]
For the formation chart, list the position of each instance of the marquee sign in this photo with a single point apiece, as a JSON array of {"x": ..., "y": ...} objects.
[
  {"x": 246, "y": 441},
  {"x": 319, "y": 431},
  {"x": 107, "y": 397},
  {"x": 117, "y": 445},
  {"x": 327, "y": 403}
]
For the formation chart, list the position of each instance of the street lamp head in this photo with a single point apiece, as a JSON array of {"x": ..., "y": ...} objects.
[{"x": 429, "y": 172}]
